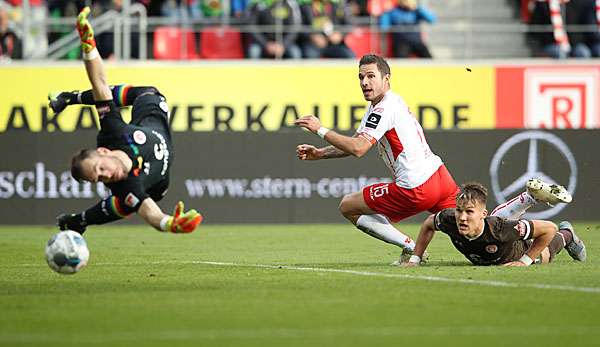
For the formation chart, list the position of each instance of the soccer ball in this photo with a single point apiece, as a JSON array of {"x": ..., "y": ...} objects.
[{"x": 67, "y": 252}]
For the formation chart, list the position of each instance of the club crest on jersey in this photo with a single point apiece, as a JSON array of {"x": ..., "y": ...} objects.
[
  {"x": 139, "y": 137},
  {"x": 491, "y": 248},
  {"x": 521, "y": 228},
  {"x": 131, "y": 200},
  {"x": 373, "y": 120}
]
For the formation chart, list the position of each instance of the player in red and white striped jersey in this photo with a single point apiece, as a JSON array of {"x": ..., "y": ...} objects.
[{"x": 421, "y": 181}]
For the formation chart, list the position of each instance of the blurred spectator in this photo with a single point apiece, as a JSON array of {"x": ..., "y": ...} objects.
[
  {"x": 584, "y": 12},
  {"x": 325, "y": 40},
  {"x": 358, "y": 8},
  {"x": 238, "y": 8},
  {"x": 35, "y": 39},
  {"x": 10, "y": 45},
  {"x": 216, "y": 8},
  {"x": 211, "y": 8},
  {"x": 278, "y": 38},
  {"x": 404, "y": 19},
  {"x": 106, "y": 39},
  {"x": 180, "y": 11},
  {"x": 552, "y": 40},
  {"x": 376, "y": 8},
  {"x": 555, "y": 42}
]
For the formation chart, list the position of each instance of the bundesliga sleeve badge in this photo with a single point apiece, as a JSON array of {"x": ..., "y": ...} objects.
[{"x": 373, "y": 120}]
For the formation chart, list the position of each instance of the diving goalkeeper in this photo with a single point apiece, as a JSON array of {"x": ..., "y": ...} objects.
[{"x": 133, "y": 159}]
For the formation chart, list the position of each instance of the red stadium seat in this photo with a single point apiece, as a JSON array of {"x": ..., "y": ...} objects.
[
  {"x": 221, "y": 43},
  {"x": 363, "y": 41},
  {"x": 169, "y": 44}
]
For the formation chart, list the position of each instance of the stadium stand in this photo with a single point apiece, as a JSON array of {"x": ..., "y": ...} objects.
[
  {"x": 221, "y": 43},
  {"x": 479, "y": 29},
  {"x": 465, "y": 29},
  {"x": 362, "y": 40},
  {"x": 174, "y": 43}
]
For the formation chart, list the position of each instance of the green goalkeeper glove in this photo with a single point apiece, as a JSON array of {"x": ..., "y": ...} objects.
[
  {"x": 86, "y": 32},
  {"x": 183, "y": 222}
]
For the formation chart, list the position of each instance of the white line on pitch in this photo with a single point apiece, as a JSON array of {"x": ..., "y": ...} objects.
[
  {"x": 408, "y": 276},
  {"x": 359, "y": 273}
]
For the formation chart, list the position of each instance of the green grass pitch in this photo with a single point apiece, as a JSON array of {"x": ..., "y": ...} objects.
[{"x": 287, "y": 285}]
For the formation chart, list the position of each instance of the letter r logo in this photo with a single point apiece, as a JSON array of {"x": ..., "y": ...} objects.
[{"x": 565, "y": 98}]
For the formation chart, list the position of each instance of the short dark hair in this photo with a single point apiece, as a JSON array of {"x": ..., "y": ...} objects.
[
  {"x": 77, "y": 160},
  {"x": 472, "y": 191},
  {"x": 382, "y": 65}
]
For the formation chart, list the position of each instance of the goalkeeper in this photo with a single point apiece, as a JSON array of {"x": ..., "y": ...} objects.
[{"x": 133, "y": 159}]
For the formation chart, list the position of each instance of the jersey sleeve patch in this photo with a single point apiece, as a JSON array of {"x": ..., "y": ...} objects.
[
  {"x": 131, "y": 200},
  {"x": 373, "y": 120},
  {"x": 524, "y": 229},
  {"x": 116, "y": 207}
]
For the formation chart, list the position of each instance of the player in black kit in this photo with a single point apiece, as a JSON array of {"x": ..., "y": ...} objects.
[
  {"x": 133, "y": 159},
  {"x": 492, "y": 240}
]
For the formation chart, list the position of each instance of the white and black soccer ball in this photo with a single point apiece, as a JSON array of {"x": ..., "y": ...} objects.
[{"x": 67, "y": 252}]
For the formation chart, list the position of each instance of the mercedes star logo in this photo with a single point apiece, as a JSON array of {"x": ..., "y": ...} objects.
[{"x": 533, "y": 168}]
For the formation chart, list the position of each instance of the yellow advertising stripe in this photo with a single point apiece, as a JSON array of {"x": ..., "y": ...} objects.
[{"x": 254, "y": 97}]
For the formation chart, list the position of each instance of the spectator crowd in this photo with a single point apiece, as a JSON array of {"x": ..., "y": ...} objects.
[{"x": 281, "y": 29}]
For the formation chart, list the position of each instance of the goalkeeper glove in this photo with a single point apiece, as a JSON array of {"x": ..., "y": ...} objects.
[
  {"x": 182, "y": 222},
  {"x": 58, "y": 102},
  {"x": 71, "y": 222},
  {"x": 86, "y": 32}
]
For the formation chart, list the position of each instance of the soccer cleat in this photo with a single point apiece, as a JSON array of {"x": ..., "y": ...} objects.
[
  {"x": 405, "y": 256},
  {"x": 576, "y": 247},
  {"x": 59, "y": 101},
  {"x": 551, "y": 194}
]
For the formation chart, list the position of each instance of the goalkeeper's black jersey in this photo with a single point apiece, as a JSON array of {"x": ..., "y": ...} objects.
[
  {"x": 502, "y": 240},
  {"x": 147, "y": 142}
]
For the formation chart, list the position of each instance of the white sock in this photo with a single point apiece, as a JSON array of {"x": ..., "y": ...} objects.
[
  {"x": 378, "y": 226},
  {"x": 515, "y": 207}
]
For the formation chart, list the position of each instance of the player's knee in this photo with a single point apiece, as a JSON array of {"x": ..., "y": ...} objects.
[{"x": 346, "y": 206}]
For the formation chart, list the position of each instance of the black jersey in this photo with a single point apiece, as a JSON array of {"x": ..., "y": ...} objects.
[
  {"x": 502, "y": 240},
  {"x": 147, "y": 142}
]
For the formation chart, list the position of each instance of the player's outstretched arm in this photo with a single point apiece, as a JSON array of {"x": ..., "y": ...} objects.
[
  {"x": 356, "y": 146},
  {"x": 179, "y": 222},
  {"x": 93, "y": 62},
  {"x": 425, "y": 236},
  {"x": 543, "y": 233},
  {"x": 310, "y": 152},
  {"x": 123, "y": 95}
]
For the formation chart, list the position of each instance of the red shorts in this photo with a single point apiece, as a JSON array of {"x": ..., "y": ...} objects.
[{"x": 397, "y": 203}]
